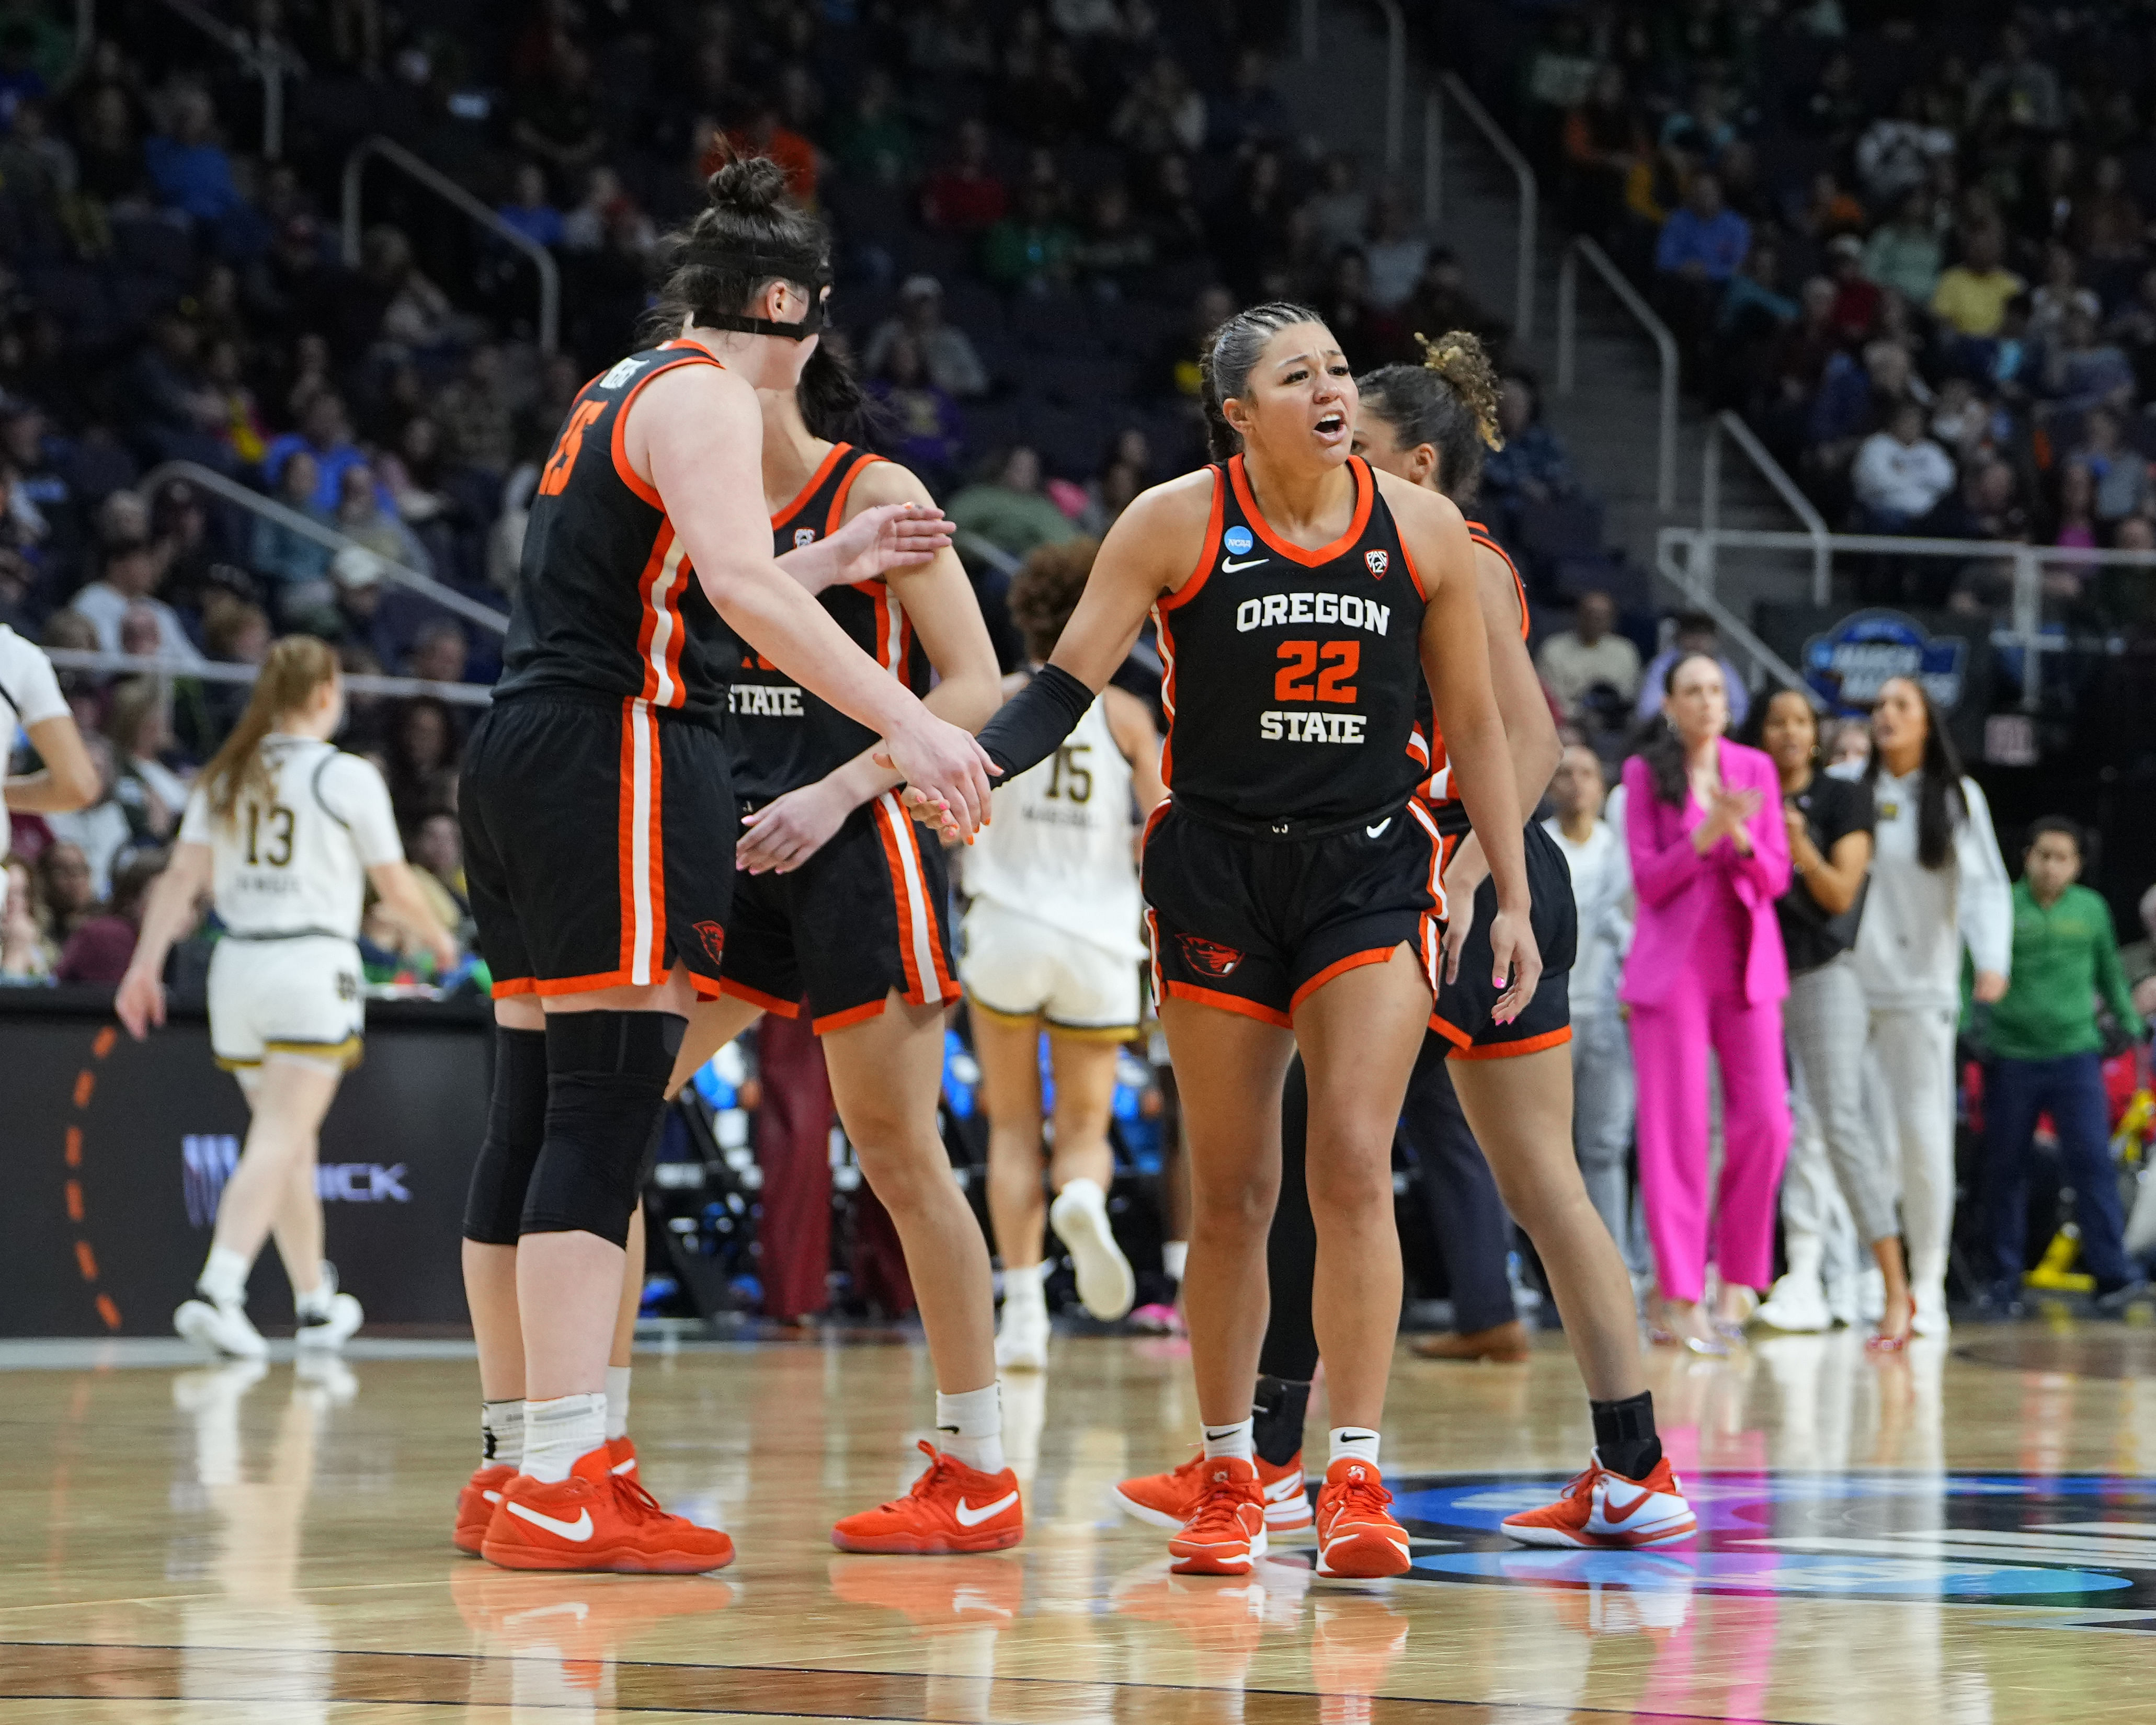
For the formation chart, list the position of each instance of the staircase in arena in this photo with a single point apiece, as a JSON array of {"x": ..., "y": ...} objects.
[{"x": 1608, "y": 422}]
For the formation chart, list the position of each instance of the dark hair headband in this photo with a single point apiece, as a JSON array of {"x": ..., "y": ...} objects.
[{"x": 809, "y": 268}]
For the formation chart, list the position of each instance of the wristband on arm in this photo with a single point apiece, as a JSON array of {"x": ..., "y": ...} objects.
[{"x": 1029, "y": 726}]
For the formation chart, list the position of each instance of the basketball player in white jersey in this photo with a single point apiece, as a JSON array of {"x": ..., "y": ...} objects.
[
  {"x": 285, "y": 831},
  {"x": 30, "y": 698},
  {"x": 1051, "y": 942}
]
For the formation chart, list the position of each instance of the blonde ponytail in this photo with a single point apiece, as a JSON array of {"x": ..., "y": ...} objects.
[{"x": 296, "y": 666}]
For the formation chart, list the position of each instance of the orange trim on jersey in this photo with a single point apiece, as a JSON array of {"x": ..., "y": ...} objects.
[
  {"x": 660, "y": 586},
  {"x": 1480, "y": 535},
  {"x": 1512, "y": 1050},
  {"x": 548, "y": 986},
  {"x": 1185, "y": 594},
  {"x": 756, "y": 997},
  {"x": 1414, "y": 575},
  {"x": 1439, "y": 857},
  {"x": 1418, "y": 747},
  {"x": 655, "y": 854},
  {"x": 1164, "y": 639},
  {"x": 1231, "y": 1003},
  {"x": 1152, "y": 937},
  {"x": 1366, "y": 490},
  {"x": 851, "y": 1015},
  {"x": 644, "y": 488},
  {"x": 822, "y": 472},
  {"x": 836, "y": 518},
  {"x": 625, "y": 838},
  {"x": 1341, "y": 966}
]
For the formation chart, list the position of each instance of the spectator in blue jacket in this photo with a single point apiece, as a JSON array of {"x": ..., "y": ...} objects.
[{"x": 1702, "y": 240}]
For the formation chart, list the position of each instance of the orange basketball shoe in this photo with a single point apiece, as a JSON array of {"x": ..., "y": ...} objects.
[
  {"x": 1168, "y": 1500},
  {"x": 1356, "y": 1536},
  {"x": 952, "y": 1593},
  {"x": 1226, "y": 1532},
  {"x": 593, "y": 1520},
  {"x": 1604, "y": 1509},
  {"x": 476, "y": 1504},
  {"x": 951, "y": 1507}
]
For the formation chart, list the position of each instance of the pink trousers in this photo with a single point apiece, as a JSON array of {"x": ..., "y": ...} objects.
[{"x": 1669, "y": 1043}]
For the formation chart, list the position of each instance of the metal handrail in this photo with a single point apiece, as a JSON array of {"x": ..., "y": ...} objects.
[
  {"x": 1729, "y": 424},
  {"x": 269, "y": 60},
  {"x": 1396, "y": 84},
  {"x": 440, "y": 183},
  {"x": 1310, "y": 29},
  {"x": 1568, "y": 345},
  {"x": 216, "y": 672},
  {"x": 1523, "y": 176},
  {"x": 2025, "y": 627},
  {"x": 448, "y": 598},
  {"x": 1733, "y": 629}
]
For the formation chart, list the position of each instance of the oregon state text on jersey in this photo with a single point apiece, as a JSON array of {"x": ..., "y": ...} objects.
[
  {"x": 606, "y": 599},
  {"x": 1292, "y": 675},
  {"x": 1438, "y": 789},
  {"x": 783, "y": 736}
]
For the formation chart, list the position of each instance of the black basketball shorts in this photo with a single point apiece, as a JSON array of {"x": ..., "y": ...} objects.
[
  {"x": 867, "y": 914},
  {"x": 598, "y": 843},
  {"x": 1254, "y": 924},
  {"x": 1462, "y": 1014}
]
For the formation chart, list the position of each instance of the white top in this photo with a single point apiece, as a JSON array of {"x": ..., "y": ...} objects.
[
  {"x": 1917, "y": 920},
  {"x": 1602, "y": 888},
  {"x": 1906, "y": 479},
  {"x": 298, "y": 864},
  {"x": 1058, "y": 847},
  {"x": 29, "y": 695},
  {"x": 104, "y": 606}
]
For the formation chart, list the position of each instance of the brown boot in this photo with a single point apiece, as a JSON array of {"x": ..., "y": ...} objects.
[{"x": 1505, "y": 1342}]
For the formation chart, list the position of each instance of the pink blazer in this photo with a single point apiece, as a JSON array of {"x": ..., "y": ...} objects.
[{"x": 1673, "y": 880}]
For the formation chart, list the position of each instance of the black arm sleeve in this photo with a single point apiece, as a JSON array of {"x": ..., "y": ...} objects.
[{"x": 1028, "y": 727}]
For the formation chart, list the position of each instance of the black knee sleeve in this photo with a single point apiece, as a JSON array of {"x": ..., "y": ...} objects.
[
  {"x": 515, "y": 1127},
  {"x": 1290, "y": 1344},
  {"x": 606, "y": 1090}
]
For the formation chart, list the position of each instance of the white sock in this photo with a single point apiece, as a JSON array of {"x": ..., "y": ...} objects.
[
  {"x": 314, "y": 1302},
  {"x": 1175, "y": 1253},
  {"x": 557, "y": 1433},
  {"x": 972, "y": 1427},
  {"x": 223, "y": 1279},
  {"x": 617, "y": 1395},
  {"x": 501, "y": 1432},
  {"x": 1233, "y": 1442},
  {"x": 1353, "y": 1443},
  {"x": 1025, "y": 1285}
]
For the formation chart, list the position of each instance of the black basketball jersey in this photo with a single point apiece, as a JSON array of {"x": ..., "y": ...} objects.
[
  {"x": 606, "y": 600},
  {"x": 1291, "y": 676},
  {"x": 782, "y": 735},
  {"x": 1438, "y": 789}
]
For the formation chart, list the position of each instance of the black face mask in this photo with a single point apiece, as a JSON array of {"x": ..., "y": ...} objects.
[{"x": 807, "y": 271}]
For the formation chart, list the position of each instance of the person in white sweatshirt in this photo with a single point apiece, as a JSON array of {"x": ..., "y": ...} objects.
[{"x": 1938, "y": 884}]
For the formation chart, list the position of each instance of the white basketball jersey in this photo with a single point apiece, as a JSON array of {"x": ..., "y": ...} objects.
[
  {"x": 296, "y": 864},
  {"x": 1058, "y": 846}
]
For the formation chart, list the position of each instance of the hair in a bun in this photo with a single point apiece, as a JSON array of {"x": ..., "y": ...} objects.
[
  {"x": 749, "y": 234},
  {"x": 1449, "y": 401}
]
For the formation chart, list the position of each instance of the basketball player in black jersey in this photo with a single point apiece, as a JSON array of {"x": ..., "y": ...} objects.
[
  {"x": 1291, "y": 881},
  {"x": 840, "y": 911},
  {"x": 595, "y": 794},
  {"x": 1430, "y": 424}
]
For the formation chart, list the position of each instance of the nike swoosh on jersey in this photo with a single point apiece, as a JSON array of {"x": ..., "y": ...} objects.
[
  {"x": 969, "y": 1517},
  {"x": 1229, "y": 566},
  {"x": 1377, "y": 831},
  {"x": 579, "y": 1530}
]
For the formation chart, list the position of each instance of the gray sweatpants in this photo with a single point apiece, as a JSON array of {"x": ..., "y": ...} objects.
[
  {"x": 1603, "y": 1100},
  {"x": 1827, "y": 1023}
]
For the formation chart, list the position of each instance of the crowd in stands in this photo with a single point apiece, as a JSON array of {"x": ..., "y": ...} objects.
[{"x": 1913, "y": 244}]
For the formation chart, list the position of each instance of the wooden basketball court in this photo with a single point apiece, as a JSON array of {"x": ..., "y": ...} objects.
[{"x": 1965, "y": 1536}]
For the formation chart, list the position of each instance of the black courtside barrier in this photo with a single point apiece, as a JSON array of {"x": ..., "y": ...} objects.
[{"x": 112, "y": 1153}]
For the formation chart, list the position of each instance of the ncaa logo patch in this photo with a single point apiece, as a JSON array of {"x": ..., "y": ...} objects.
[
  {"x": 1378, "y": 561},
  {"x": 1236, "y": 540},
  {"x": 714, "y": 939},
  {"x": 804, "y": 536},
  {"x": 1209, "y": 957}
]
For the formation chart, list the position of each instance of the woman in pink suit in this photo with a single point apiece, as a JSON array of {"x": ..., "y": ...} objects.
[{"x": 1710, "y": 855}]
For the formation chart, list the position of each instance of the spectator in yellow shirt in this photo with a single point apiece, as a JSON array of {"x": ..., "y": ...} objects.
[{"x": 1971, "y": 295}]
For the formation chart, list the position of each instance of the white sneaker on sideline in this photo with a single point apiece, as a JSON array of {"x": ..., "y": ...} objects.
[
  {"x": 1079, "y": 1217},
  {"x": 1842, "y": 1302},
  {"x": 222, "y": 1329},
  {"x": 1871, "y": 1296},
  {"x": 1798, "y": 1305},
  {"x": 1931, "y": 1318},
  {"x": 1022, "y": 1338}
]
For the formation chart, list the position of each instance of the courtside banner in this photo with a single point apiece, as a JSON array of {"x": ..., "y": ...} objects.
[{"x": 113, "y": 1153}]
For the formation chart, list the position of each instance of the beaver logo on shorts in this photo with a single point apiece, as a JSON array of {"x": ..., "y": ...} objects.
[
  {"x": 1209, "y": 957},
  {"x": 714, "y": 937}
]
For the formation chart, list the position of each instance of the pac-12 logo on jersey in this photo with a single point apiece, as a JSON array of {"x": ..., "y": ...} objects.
[
  {"x": 1378, "y": 561},
  {"x": 1209, "y": 957},
  {"x": 804, "y": 536}
]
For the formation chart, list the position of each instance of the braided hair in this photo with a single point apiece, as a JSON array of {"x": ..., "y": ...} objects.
[{"x": 1230, "y": 352}]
